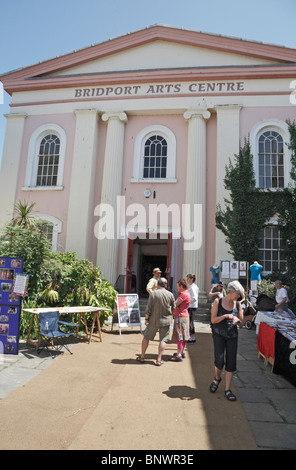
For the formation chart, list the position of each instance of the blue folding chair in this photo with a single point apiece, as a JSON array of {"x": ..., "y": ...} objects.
[{"x": 50, "y": 336}]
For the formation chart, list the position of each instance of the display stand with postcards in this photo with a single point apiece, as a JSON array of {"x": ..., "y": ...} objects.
[{"x": 13, "y": 286}]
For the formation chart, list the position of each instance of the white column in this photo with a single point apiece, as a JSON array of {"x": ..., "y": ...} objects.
[
  {"x": 80, "y": 212},
  {"x": 194, "y": 259},
  {"x": 10, "y": 164},
  {"x": 107, "y": 253},
  {"x": 228, "y": 142}
]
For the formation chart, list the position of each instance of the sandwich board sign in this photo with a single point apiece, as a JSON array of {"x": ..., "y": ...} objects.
[{"x": 127, "y": 310}]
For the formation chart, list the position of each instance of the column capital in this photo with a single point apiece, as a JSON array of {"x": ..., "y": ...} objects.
[
  {"x": 199, "y": 113},
  {"x": 15, "y": 115},
  {"x": 120, "y": 115},
  {"x": 228, "y": 107},
  {"x": 86, "y": 111}
]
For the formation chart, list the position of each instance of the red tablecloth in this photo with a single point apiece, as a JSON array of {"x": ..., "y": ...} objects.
[{"x": 266, "y": 340}]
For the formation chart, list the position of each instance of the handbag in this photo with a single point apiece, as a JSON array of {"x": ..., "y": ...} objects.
[{"x": 225, "y": 328}]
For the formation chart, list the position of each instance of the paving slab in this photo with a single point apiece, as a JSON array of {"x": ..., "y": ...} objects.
[{"x": 278, "y": 436}]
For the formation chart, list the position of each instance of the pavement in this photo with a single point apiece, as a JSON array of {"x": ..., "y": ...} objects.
[{"x": 101, "y": 398}]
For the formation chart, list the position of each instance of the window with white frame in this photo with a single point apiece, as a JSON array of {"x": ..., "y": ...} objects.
[
  {"x": 272, "y": 157},
  {"x": 47, "y": 229},
  {"x": 46, "y": 158},
  {"x": 271, "y": 255},
  {"x": 155, "y": 155},
  {"x": 271, "y": 160},
  {"x": 48, "y": 161},
  {"x": 52, "y": 227}
]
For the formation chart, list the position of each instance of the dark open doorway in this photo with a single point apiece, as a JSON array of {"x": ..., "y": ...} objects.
[{"x": 147, "y": 264}]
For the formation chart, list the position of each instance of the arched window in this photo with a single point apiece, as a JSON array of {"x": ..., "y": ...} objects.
[
  {"x": 272, "y": 157},
  {"x": 46, "y": 158},
  {"x": 52, "y": 228},
  {"x": 155, "y": 155},
  {"x": 48, "y": 161},
  {"x": 271, "y": 160}
]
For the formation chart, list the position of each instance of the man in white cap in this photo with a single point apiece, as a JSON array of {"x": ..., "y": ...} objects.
[{"x": 152, "y": 284}]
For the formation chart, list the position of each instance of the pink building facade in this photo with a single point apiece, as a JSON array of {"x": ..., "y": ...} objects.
[{"x": 123, "y": 145}]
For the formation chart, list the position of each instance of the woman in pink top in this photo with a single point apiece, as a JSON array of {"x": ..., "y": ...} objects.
[{"x": 181, "y": 320}]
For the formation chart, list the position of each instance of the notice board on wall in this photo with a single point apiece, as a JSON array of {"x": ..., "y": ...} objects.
[
  {"x": 10, "y": 305},
  {"x": 231, "y": 269}
]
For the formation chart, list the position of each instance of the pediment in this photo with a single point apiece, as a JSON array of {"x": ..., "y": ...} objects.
[
  {"x": 157, "y": 49},
  {"x": 162, "y": 55}
]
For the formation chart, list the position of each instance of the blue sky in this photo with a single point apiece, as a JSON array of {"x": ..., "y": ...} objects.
[{"x": 37, "y": 30}]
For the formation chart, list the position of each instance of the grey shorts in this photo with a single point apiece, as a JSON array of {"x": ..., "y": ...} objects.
[{"x": 164, "y": 332}]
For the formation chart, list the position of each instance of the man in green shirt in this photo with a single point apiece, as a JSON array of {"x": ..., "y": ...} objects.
[{"x": 158, "y": 314}]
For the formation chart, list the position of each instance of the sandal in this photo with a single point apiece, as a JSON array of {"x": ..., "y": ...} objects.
[
  {"x": 229, "y": 395},
  {"x": 214, "y": 385},
  {"x": 158, "y": 363},
  {"x": 139, "y": 359},
  {"x": 183, "y": 355},
  {"x": 176, "y": 358}
]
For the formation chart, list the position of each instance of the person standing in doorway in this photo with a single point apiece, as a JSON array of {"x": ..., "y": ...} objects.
[
  {"x": 152, "y": 284},
  {"x": 193, "y": 290}
]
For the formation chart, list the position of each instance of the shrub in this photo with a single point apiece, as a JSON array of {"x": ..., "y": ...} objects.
[
  {"x": 56, "y": 279},
  {"x": 76, "y": 283}
]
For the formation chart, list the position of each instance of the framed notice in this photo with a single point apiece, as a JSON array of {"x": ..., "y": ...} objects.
[
  {"x": 243, "y": 269},
  {"x": 20, "y": 284},
  {"x": 234, "y": 269},
  {"x": 128, "y": 311},
  {"x": 10, "y": 305},
  {"x": 225, "y": 269}
]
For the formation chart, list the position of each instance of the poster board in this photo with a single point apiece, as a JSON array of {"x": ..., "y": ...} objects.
[
  {"x": 232, "y": 269},
  {"x": 10, "y": 305},
  {"x": 127, "y": 310}
]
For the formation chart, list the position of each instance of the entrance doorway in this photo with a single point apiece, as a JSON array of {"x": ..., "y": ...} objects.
[{"x": 145, "y": 254}]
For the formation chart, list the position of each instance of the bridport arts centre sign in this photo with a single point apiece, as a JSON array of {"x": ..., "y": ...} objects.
[{"x": 161, "y": 89}]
